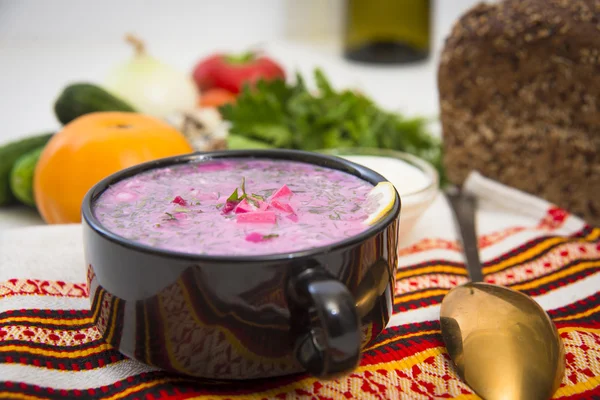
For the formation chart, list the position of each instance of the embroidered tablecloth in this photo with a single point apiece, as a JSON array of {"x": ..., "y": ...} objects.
[{"x": 49, "y": 347}]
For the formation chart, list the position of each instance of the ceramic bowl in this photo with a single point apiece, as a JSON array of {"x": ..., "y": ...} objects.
[{"x": 242, "y": 317}]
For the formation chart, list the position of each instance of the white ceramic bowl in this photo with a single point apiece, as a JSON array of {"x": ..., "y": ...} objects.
[{"x": 415, "y": 179}]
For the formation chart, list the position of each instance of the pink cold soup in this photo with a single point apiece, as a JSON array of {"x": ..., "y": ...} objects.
[{"x": 236, "y": 207}]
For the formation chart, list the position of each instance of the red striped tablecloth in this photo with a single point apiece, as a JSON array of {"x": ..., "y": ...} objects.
[{"x": 49, "y": 347}]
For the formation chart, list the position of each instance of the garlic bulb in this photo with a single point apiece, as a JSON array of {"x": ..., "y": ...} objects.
[
  {"x": 151, "y": 86},
  {"x": 204, "y": 128}
]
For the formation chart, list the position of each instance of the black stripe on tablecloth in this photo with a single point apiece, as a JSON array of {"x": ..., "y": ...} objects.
[
  {"x": 44, "y": 314},
  {"x": 409, "y": 345},
  {"x": 394, "y": 331},
  {"x": 404, "y": 306},
  {"x": 585, "y": 231},
  {"x": 578, "y": 307}
]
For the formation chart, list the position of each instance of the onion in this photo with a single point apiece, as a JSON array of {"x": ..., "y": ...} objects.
[{"x": 151, "y": 86}]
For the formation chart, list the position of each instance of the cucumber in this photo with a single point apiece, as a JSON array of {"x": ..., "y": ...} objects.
[
  {"x": 79, "y": 99},
  {"x": 21, "y": 176},
  {"x": 9, "y": 154},
  {"x": 238, "y": 142}
]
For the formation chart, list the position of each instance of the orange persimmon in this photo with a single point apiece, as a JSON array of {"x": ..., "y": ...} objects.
[{"x": 91, "y": 148}]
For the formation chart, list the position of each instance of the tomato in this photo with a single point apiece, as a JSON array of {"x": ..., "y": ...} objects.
[
  {"x": 89, "y": 149},
  {"x": 204, "y": 72},
  {"x": 216, "y": 97},
  {"x": 231, "y": 72}
]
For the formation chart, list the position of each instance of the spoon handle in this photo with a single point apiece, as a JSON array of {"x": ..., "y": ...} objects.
[{"x": 463, "y": 208}]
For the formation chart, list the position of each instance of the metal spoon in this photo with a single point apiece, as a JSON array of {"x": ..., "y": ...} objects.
[{"x": 502, "y": 342}]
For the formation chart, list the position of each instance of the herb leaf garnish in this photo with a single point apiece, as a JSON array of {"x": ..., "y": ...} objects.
[{"x": 234, "y": 196}]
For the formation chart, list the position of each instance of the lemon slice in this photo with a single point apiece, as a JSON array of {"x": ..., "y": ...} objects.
[{"x": 380, "y": 201}]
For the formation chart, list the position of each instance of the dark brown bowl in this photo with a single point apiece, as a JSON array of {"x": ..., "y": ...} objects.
[{"x": 242, "y": 317}]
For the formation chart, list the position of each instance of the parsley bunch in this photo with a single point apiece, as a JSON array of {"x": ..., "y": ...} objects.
[{"x": 283, "y": 115}]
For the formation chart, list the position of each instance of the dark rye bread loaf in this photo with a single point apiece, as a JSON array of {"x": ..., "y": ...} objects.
[{"x": 519, "y": 87}]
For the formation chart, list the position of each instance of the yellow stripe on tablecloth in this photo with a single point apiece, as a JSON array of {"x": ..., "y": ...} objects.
[
  {"x": 420, "y": 295},
  {"x": 406, "y": 336},
  {"x": 441, "y": 268},
  {"x": 594, "y": 234},
  {"x": 540, "y": 247},
  {"x": 113, "y": 319},
  {"x": 139, "y": 387},
  {"x": 578, "y": 329},
  {"x": 55, "y": 353},
  {"x": 20, "y": 396},
  {"x": 49, "y": 321},
  {"x": 579, "y": 315},
  {"x": 523, "y": 256},
  {"x": 556, "y": 276},
  {"x": 578, "y": 388}
]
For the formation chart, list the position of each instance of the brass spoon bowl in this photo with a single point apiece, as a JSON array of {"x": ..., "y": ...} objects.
[{"x": 504, "y": 345}]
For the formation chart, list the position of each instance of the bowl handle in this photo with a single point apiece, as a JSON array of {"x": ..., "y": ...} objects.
[{"x": 324, "y": 323}]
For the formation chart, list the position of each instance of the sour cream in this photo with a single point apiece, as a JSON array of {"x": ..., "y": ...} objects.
[
  {"x": 415, "y": 187},
  {"x": 406, "y": 178}
]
